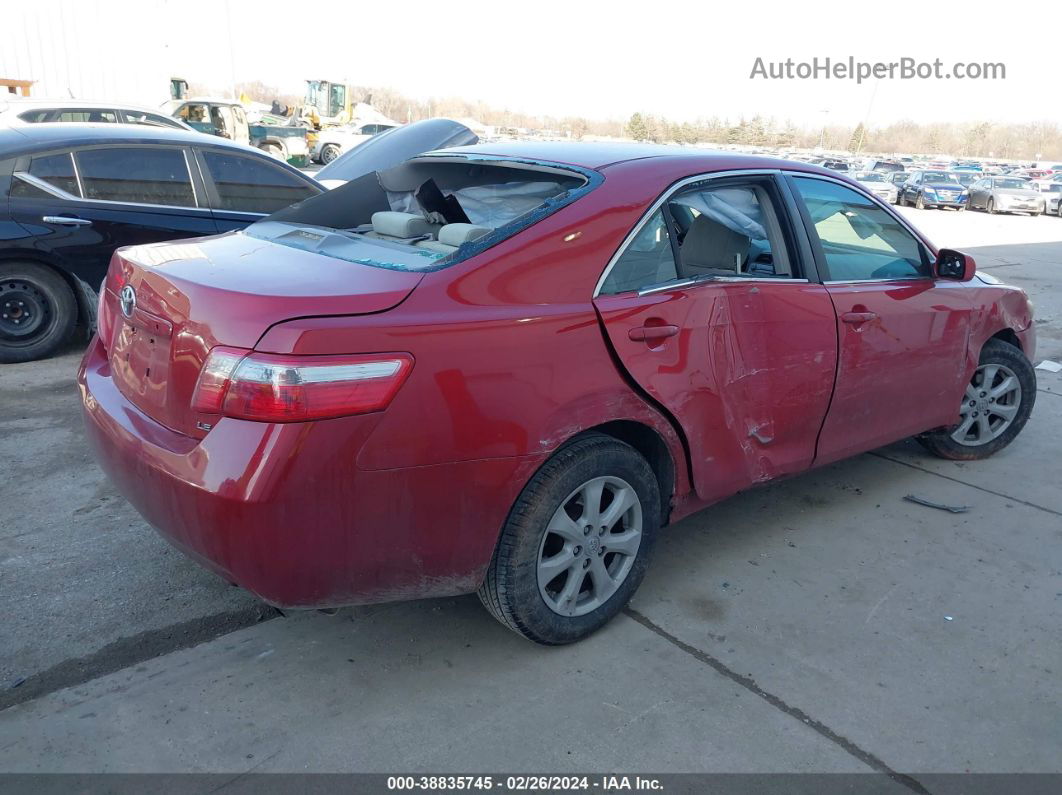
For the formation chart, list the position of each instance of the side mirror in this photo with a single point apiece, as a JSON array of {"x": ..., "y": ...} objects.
[{"x": 955, "y": 265}]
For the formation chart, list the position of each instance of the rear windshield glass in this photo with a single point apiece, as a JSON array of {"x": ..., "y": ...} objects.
[{"x": 427, "y": 213}]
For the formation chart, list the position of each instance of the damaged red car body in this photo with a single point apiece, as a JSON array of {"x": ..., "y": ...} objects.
[{"x": 504, "y": 367}]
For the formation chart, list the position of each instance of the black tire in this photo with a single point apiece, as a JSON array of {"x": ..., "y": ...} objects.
[
  {"x": 991, "y": 207},
  {"x": 329, "y": 152},
  {"x": 940, "y": 441},
  {"x": 920, "y": 203},
  {"x": 38, "y": 311},
  {"x": 511, "y": 590}
]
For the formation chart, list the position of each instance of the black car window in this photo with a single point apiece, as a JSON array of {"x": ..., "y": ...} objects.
[
  {"x": 250, "y": 185},
  {"x": 860, "y": 240},
  {"x": 140, "y": 175},
  {"x": 95, "y": 115},
  {"x": 154, "y": 119},
  {"x": 648, "y": 259},
  {"x": 57, "y": 170}
]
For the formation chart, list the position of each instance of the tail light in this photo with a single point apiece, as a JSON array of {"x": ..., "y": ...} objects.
[{"x": 267, "y": 387}]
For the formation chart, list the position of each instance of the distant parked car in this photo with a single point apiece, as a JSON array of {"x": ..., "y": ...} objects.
[
  {"x": 72, "y": 194},
  {"x": 1051, "y": 197},
  {"x": 966, "y": 178},
  {"x": 878, "y": 184},
  {"x": 1006, "y": 195},
  {"x": 933, "y": 189},
  {"x": 36, "y": 111},
  {"x": 227, "y": 118},
  {"x": 872, "y": 164},
  {"x": 334, "y": 141}
]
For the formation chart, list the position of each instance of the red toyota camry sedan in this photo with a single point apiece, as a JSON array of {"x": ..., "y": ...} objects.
[{"x": 503, "y": 368}]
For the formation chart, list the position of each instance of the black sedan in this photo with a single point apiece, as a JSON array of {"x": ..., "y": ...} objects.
[{"x": 71, "y": 194}]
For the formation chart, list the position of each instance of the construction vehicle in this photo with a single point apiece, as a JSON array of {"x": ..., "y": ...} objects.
[{"x": 331, "y": 101}]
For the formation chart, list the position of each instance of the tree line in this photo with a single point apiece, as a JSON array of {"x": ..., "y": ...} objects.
[{"x": 1017, "y": 141}]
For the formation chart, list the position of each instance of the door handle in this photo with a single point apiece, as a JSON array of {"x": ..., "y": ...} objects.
[
  {"x": 650, "y": 333},
  {"x": 66, "y": 220},
  {"x": 858, "y": 317}
]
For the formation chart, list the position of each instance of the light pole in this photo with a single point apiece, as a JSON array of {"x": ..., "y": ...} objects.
[{"x": 822, "y": 135}]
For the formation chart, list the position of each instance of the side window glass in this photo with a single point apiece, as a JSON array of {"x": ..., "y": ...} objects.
[
  {"x": 194, "y": 112},
  {"x": 57, "y": 170},
  {"x": 139, "y": 175},
  {"x": 250, "y": 185},
  {"x": 859, "y": 239},
  {"x": 648, "y": 259},
  {"x": 729, "y": 230},
  {"x": 96, "y": 116}
]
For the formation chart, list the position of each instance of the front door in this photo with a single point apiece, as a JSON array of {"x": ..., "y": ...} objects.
[
  {"x": 709, "y": 308},
  {"x": 902, "y": 333}
]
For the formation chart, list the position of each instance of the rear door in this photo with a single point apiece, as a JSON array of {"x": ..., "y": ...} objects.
[
  {"x": 902, "y": 333},
  {"x": 712, "y": 307},
  {"x": 85, "y": 203},
  {"x": 244, "y": 188}
]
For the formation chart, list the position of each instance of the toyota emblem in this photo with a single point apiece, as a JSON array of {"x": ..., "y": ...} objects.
[{"x": 127, "y": 299}]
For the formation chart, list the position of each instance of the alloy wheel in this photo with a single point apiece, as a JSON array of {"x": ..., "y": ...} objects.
[
  {"x": 989, "y": 406},
  {"x": 589, "y": 546}
]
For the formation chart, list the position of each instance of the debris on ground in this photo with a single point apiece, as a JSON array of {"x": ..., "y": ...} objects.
[
  {"x": 1050, "y": 366},
  {"x": 939, "y": 506}
]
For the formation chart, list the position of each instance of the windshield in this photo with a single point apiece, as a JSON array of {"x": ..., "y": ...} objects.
[
  {"x": 426, "y": 213},
  {"x": 966, "y": 177},
  {"x": 870, "y": 176},
  {"x": 1011, "y": 183},
  {"x": 938, "y": 176}
]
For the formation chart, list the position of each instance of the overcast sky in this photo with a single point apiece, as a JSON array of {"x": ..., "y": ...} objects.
[{"x": 596, "y": 59}]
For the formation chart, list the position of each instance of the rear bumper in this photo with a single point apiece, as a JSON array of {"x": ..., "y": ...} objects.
[{"x": 281, "y": 509}]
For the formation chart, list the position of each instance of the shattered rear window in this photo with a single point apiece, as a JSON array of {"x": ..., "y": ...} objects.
[{"x": 427, "y": 213}]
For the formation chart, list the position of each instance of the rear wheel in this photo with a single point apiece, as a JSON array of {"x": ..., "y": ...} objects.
[
  {"x": 995, "y": 407},
  {"x": 274, "y": 150},
  {"x": 329, "y": 152},
  {"x": 576, "y": 544},
  {"x": 37, "y": 311}
]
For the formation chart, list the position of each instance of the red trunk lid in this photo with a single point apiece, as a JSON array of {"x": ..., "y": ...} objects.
[{"x": 225, "y": 290}]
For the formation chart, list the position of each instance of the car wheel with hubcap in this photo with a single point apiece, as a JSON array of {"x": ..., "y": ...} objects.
[
  {"x": 995, "y": 407},
  {"x": 991, "y": 207},
  {"x": 577, "y": 542},
  {"x": 329, "y": 152},
  {"x": 920, "y": 203},
  {"x": 37, "y": 311}
]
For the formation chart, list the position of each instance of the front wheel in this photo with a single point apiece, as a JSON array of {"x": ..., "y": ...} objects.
[
  {"x": 576, "y": 544},
  {"x": 920, "y": 203},
  {"x": 37, "y": 311},
  {"x": 991, "y": 207},
  {"x": 995, "y": 407}
]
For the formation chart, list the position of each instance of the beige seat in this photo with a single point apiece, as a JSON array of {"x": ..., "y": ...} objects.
[
  {"x": 399, "y": 226},
  {"x": 710, "y": 247},
  {"x": 453, "y": 235}
]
